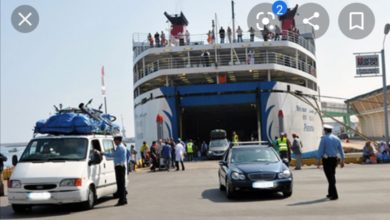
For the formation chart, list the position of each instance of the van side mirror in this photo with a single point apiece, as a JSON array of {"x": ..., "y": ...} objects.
[
  {"x": 14, "y": 160},
  {"x": 93, "y": 161},
  {"x": 96, "y": 159}
]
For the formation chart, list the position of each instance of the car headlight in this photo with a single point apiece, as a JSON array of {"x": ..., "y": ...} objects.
[
  {"x": 238, "y": 176},
  {"x": 14, "y": 184},
  {"x": 285, "y": 174},
  {"x": 71, "y": 182},
  {"x": 210, "y": 152}
]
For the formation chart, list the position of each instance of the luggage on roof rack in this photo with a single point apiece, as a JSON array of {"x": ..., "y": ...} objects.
[{"x": 82, "y": 120}]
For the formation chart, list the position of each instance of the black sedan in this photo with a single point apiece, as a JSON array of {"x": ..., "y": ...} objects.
[{"x": 254, "y": 167}]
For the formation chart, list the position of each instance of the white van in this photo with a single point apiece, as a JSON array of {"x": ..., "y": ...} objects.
[{"x": 62, "y": 169}]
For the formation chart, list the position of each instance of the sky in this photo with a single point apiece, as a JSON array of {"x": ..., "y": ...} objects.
[{"x": 60, "y": 61}]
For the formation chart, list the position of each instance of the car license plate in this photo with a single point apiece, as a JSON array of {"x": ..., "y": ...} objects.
[
  {"x": 39, "y": 195},
  {"x": 263, "y": 185}
]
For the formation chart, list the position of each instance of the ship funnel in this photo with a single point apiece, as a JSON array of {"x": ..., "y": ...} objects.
[{"x": 178, "y": 24}]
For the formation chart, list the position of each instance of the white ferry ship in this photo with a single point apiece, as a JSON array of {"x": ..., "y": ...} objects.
[{"x": 256, "y": 88}]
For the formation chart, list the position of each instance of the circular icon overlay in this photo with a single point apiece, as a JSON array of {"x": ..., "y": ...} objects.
[
  {"x": 279, "y": 8},
  {"x": 312, "y": 18},
  {"x": 25, "y": 18},
  {"x": 356, "y": 21},
  {"x": 262, "y": 16}
]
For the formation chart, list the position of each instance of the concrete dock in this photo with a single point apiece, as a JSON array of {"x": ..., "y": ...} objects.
[{"x": 193, "y": 194}]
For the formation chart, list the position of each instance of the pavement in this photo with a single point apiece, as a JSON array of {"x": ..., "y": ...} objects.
[{"x": 193, "y": 194}]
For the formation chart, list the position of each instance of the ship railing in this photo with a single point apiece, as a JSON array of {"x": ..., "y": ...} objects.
[
  {"x": 141, "y": 42},
  {"x": 207, "y": 61}
]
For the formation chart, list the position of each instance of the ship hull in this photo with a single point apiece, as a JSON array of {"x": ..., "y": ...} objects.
[{"x": 255, "y": 110}]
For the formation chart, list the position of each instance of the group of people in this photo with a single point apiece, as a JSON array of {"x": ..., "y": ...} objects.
[
  {"x": 284, "y": 147},
  {"x": 223, "y": 34},
  {"x": 157, "y": 40},
  {"x": 160, "y": 39},
  {"x": 379, "y": 153},
  {"x": 170, "y": 154},
  {"x": 265, "y": 33}
]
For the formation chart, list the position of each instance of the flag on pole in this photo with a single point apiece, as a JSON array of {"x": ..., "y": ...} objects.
[{"x": 103, "y": 86}]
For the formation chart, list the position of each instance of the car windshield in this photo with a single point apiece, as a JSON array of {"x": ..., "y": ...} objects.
[
  {"x": 253, "y": 155},
  {"x": 55, "y": 149},
  {"x": 218, "y": 143}
]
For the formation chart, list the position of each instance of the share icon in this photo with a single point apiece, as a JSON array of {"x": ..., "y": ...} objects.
[{"x": 307, "y": 21}]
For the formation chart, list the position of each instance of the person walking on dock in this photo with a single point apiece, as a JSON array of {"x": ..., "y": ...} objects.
[
  {"x": 296, "y": 147},
  {"x": 190, "y": 150},
  {"x": 284, "y": 148},
  {"x": 119, "y": 155},
  {"x": 144, "y": 151},
  {"x": 275, "y": 144},
  {"x": 204, "y": 148},
  {"x": 235, "y": 138},
  {"x": 166, "y": 155},
  {"x": 133, "y": 158},
  {"x": 330, "y": 147},
  {"x": 173, "y": 153},
  {"x": 154, "y": 156},
  {"x": 179, "y": 155}
]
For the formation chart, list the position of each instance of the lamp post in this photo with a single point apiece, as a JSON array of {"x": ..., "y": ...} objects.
[
  {"x": 387, "y": 30},
  {"x": 234, "y": 22}
]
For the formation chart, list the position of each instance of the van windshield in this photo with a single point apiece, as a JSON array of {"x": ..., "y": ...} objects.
[
  {"x": 218, "y": 143},
  {"x": 55, "y": 149}
]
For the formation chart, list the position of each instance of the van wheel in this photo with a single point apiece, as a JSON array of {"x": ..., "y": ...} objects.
[
  {"x": 21, "y": 208},
  {"x": 91, "y": 199}
]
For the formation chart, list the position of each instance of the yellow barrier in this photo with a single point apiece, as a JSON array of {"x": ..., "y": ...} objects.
[{"x": 349, "y": 159}]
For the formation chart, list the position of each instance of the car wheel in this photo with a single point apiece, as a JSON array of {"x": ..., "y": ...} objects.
[
  {"x": 90, "y": 203},
  {"x": 21, "y": 208},
  {"x": 221, "y": 187},
  {"x": 287, "y": 194},
  {"x": 229, "y": 191}
]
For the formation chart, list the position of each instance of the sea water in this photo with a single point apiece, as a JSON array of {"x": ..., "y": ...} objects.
[{"x": 10, "y": 151}]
